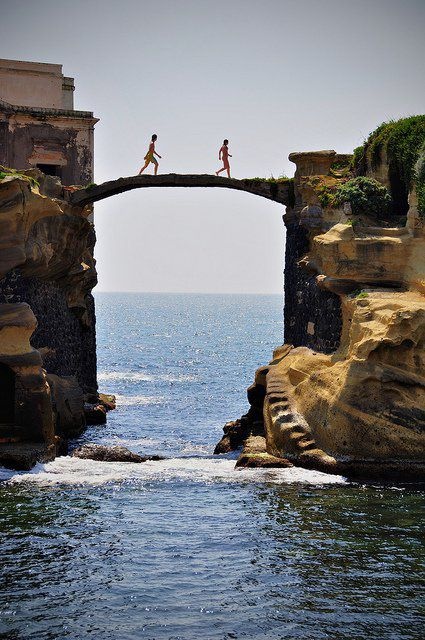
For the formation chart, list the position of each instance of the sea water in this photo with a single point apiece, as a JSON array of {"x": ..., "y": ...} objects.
[{"x": 188, "y": 547}]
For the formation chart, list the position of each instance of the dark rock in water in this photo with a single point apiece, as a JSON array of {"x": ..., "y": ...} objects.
[
  {"x": 110, "y": 454},
  {"x": 254, "y": 455},
  {"x": 67, "y": 405},
  {"x": 94, "y": 413},
  {"x": 108, "y": 401},
  {"x": 22, "y": 456},
  {"x": 237, "y": 431},
  {"x": 261, "y": 461}
]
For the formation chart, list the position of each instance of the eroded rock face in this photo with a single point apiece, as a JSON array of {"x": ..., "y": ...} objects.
[
  {"x": 47, "y": 272},
  {"x": 110, "y": 454},
  {"x": 27, "y": 424},
  {"x": 255, "y": 456},
  {"x": 361, "y": 410},
  {"x": 347, "y": 394},
  {"x": 46, "y": 260}
]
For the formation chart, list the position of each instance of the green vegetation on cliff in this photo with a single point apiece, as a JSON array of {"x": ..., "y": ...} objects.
[
  {"x": 365, "y": 195},
  {"x": 403, "y": 144},
  {"x": 420, "y": 179},
  {"x": 6, "y": 172},
  {"x": 274, "y": 184}
]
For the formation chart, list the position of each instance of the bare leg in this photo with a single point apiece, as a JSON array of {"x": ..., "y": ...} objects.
[
  {"x": 228, "y": 172},
  {"x": 156, "y": 167},
  {"x": 220, "y": 170},
  {"x": 143, "y": 168}
]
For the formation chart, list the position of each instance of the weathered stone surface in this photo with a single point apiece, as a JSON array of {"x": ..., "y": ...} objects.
[
  {"x": 347, "y": 395},
  {"x": 108, "y": 401},
  {"x": 110, "y": 454},
  {"x": 68, "y": 405},
  {"x": 312, "y": 314},
  {"x": 235, "y": 433},
  {"x": 46, "y": 258},
  {"x": 29, "y": 396},
  {"x": 351, "y": 258},
  {"x": 95, "y": 413},
  {"x": 46, "y": 276},
  {"x": 255, "y": 456},
  {"x": 277, "y": 191},
  {"x": 23, "y": 456},
  {"x": 251, "y": 424},
  {"x": 67, "y": 342}
]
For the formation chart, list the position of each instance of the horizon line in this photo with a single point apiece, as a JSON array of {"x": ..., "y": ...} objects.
[{"x": 197, "y": 293}]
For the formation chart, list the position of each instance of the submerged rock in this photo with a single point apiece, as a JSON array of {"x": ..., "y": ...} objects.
[
  {"x": 254, "y": 455},
  {"x": 110, "y": 454}
]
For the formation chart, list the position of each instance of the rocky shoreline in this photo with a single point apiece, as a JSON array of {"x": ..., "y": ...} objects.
[{"x": 344, "y": 394}]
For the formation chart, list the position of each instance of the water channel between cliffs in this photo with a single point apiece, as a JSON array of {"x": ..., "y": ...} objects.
[{"x": 188, "y": 547}]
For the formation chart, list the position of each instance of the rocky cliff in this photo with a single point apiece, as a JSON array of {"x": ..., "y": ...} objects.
[
  {"x": 47, "y": 334},
  {"x": 346, "y": 392}
]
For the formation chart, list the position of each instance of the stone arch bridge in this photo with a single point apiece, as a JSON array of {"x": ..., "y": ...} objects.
[{"x": 279, "y": 191}]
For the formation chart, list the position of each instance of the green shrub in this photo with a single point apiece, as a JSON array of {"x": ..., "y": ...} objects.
[
  {"x": 365, "y": 195},
  {"x": 326, "y": 195},
  {"x": 281, "y": 178},
  {"x": 420, "y": 180},
  {"x": 402, "y": 140}
]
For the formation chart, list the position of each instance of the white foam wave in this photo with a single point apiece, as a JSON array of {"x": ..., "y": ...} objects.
[
  {"x": 142, "y": 376},
  {"x": 73, "y": 471},
  {"x": 128, "y": 401}
]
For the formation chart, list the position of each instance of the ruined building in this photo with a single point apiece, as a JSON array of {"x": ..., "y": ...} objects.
[{"x": 39, "y": 127}]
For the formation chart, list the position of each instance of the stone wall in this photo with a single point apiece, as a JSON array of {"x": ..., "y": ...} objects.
[
  {"x": 47, "y": 318},
  {"x": 312, "y": 317},
  {"x": 68, "y": 345},
  {"x": 62, "y": 142}
]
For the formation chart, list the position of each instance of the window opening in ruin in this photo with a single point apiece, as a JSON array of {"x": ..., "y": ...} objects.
[
  {"x": 7, "y": 395},
  {"x": 50, "y": 169}
]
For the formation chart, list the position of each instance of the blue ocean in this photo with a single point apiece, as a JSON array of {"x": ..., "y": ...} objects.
[{"x": 188, "y": 548}]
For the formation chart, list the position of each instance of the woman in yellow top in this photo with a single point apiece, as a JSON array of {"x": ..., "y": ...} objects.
[{"x": 150, "y": 156}]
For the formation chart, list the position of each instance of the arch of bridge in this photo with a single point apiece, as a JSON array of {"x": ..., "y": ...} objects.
[{"x": 277, "y": 191}]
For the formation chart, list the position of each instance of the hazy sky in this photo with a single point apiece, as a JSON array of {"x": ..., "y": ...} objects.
[{"x": 273, "y": 76}]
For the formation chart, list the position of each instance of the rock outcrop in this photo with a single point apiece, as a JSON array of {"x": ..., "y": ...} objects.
[
  {"x": 47, "y": 321},
  {"x": 110, "y": 454},
  {"x": 346, "y": 393}
]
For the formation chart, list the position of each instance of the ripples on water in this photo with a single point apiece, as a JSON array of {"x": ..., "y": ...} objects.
[{"x": 189, "y": 548}]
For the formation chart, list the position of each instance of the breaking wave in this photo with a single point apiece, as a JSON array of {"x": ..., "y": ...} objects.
[{"x": 66, "y": 470}]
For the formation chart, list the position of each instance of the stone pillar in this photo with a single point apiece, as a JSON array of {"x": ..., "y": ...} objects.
[{"x": 312, "y": 317}]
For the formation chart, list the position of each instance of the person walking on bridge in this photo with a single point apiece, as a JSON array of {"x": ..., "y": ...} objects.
[
  {"x": 224, "y": 155},
  {"x": 150, "y": 156}
]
